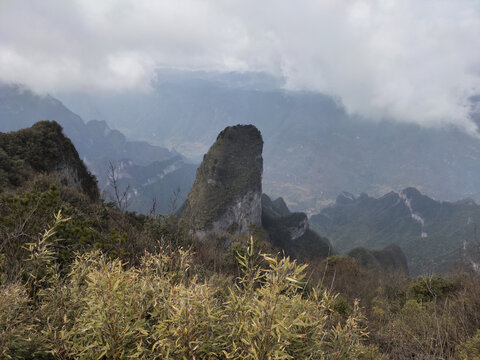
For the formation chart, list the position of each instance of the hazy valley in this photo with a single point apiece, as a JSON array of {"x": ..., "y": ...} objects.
[
  {"x": 313, "y": 150},
  {"x": 239, "y": 180}
]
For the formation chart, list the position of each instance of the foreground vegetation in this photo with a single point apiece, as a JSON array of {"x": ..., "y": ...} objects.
[{"x": 82, "y": 280}]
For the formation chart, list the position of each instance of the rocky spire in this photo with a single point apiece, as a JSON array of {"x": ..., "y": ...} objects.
[{"x": 226, "y": 195}]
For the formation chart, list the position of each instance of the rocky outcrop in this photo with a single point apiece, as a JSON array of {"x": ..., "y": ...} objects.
[
  {"x": 226, "y": 199},
  {"x": 291, "y": 231},
  {"x": 226, "y": 194},
  {"x": 43, "y": 148},
  {"x": 298, "y": 228},
  {"x": 278, "y": 205}
]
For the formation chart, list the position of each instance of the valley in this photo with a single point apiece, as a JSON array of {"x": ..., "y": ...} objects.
[{"x": 239, "y": 180}]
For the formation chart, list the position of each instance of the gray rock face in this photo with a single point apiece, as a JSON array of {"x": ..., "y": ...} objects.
[
  {"x": 69, "y": 175},
  {"x": 299, "y": 229},
  {"x": 291, "y": 231},
  {"x": 244, "y": 213},
  {"x": 226, "y": 195}
]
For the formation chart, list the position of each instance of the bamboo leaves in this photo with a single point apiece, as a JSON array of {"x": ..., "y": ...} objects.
[{"x": 160, "y": 309}]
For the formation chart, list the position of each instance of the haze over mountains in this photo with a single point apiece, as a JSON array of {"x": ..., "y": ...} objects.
[
  {"x": 313, "y": 149},
  {"x": 150, "y": 171},
  {"x": 204, "y": 179},
  {"x": 435, "y": 235}
]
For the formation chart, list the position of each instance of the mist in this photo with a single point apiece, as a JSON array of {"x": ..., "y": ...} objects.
[{"x": 401, "y": 60}]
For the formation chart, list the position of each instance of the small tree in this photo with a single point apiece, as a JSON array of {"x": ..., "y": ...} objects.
[{"x": 120, "y": 197}]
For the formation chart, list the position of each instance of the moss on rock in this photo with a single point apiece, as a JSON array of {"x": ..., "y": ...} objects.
[
  {"x": 42, "y": 148},
  {"x": 228, "y": 185}
]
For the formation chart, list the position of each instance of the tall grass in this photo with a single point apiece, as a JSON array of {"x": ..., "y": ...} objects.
[
  {"x": 140, "y": 295},
  {"x": 159, "y": 309}
]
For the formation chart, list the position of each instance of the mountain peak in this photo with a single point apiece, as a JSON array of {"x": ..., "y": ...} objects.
[
  {"x": 278, "y": 205},
  {"x": 241, "y": 134},
  {"x": 411, "y": 192},
  {"x": 345, "y": 198},
  {"x": 226, "y": 195},
  {"x": 43, "y": 148}
]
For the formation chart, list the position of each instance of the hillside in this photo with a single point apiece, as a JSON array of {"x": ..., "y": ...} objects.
[
  {"x": 67, "y": 260},
  {"x": 433, "y": 234},
  {"x": 43, "y": 148},
  {"x": 98, "y": 146},
  {"x": 389, "y": 258}
]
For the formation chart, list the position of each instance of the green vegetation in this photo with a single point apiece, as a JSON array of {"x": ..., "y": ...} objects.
[
  {"x": 42, "y": 148},
  {"x": 162, "y": 304},
  {"x": 431, "y": 233},
  {"x": 428, "y": 317},
  {"x": 80, "y": 279},
  {"x": 231, "y": 168},
  {"x": 27, "y": 211}
]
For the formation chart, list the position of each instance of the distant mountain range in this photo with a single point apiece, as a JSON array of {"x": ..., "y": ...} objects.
[
  {"x": 313, "y": 148},
  {"x": 150, "y": 171},
  {"x": 434, "y": 235}
]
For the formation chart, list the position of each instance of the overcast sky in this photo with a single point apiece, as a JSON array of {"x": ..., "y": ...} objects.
[{"x": 411, "y": 60}]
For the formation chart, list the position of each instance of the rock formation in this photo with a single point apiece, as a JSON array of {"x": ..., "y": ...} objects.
[
  {"x": 291, "y": 231},
  {"x": 226, "y": 194},
  {"x": 42, "y": 148},
  {"x": 226, "y": 198},
  {"x": 278, "y": 205}
]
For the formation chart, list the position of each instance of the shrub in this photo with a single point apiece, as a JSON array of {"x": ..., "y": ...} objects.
[
  {"x": 428, "y": 288},
  {"x": 159, "y": 309},
  {"x": 18, "y": 333},
  {"x": 469, "y": 349}
]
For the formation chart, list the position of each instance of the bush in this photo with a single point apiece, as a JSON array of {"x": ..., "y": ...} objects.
[
  {"x": 428, "y": 288},
  {"x": 18, "y": 333},
  {"x": 470, "y": 349},
  {"x": 159, "y": 309}
]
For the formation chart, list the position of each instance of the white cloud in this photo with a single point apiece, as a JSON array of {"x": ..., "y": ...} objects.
[{"x": 405, "y": 59}]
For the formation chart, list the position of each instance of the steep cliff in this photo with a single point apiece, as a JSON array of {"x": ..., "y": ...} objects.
[
  {"x": 226, "y": 194},
  {"x": 227, "y": 197}
]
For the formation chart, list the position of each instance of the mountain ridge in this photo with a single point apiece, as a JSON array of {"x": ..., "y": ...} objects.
[
  {"x": 313, "y": 148},
  {"x": 99, "y": 146},
  {"x": 427, "y": 230}
]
